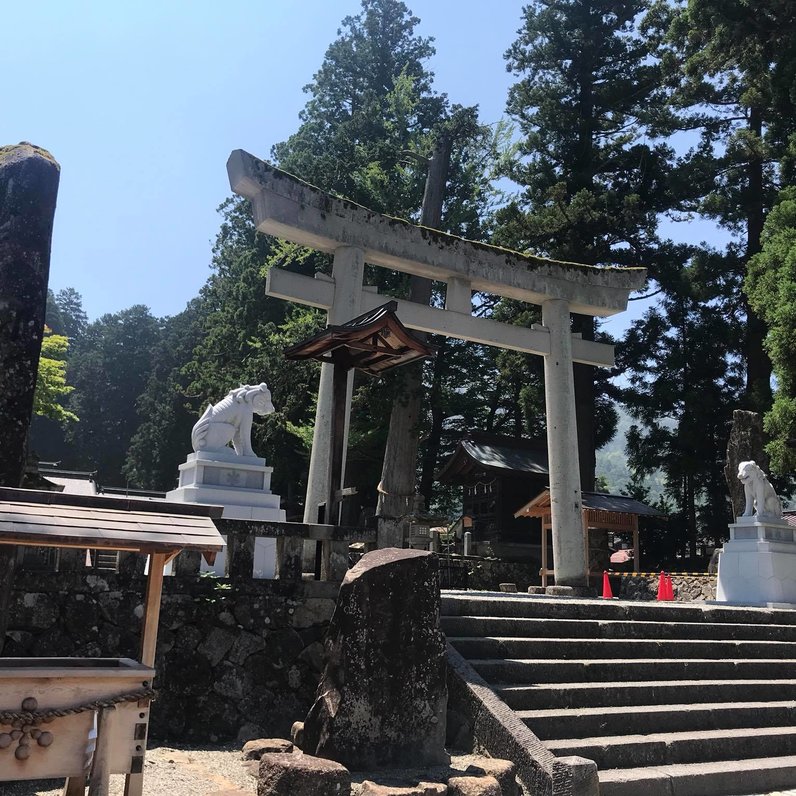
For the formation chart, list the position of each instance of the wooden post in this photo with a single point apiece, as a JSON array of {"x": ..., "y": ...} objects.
[
  {"x": 154, "y": 590},
  {"x": 336, "y": 452},
  {"x": 74, "y": 786},
  {"x": 134, "y": 783},
  {"x": 99, "y": 780}
]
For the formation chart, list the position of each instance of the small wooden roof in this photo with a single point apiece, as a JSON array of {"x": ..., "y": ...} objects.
[
  {"x": 482, "y": 453},
  {"x": 55, "y": 519},
  {"x": 374, "y": 342},
  {"x": 593, "y": 501}
]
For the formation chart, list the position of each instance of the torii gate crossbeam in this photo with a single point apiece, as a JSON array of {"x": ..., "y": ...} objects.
[{"x": 289, "y": 208}]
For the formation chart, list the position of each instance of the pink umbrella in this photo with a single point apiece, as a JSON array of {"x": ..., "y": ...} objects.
[{"x": 621, "y": 556}]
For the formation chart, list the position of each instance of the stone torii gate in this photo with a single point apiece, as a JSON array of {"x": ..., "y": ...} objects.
[{"x": 289, "y": 208}]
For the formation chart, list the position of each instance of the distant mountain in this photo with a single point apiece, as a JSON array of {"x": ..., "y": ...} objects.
[{"x": 612, "y": 461}]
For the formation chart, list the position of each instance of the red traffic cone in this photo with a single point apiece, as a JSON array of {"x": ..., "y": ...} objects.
[
  {"x": 607, "y": 593},
  {"x": 669, "y": 588},
  {"x": 661, "y": 587}
]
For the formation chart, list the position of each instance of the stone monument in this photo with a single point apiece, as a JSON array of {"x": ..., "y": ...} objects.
[
  {"x": 233, "y": 477},
  {"x": 758, "y": 564},
  {"x": 382, "y": 700}
]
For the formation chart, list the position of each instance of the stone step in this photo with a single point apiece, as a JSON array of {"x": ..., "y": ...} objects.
[
  {"x": 515, "y": 605},
  {"x": 618, "y": 670},
  {"x": 658, "y": 692},
  {"x": 502, "y": 626},
  {"x": 724, "y": 778},
  {"x": 645, "y": 719},
  {"x": 662, "y": 749},
  {"x": 580, "y": 649}
]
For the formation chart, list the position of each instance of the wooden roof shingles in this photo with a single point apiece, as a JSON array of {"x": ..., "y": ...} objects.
[{"x": 53, "y": 519}]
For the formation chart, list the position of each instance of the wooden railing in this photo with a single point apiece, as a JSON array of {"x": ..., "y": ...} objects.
[{"x": 333, "y": 543}]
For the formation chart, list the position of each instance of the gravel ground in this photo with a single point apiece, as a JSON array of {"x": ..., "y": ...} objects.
[
  {"x": 169, "y": 772},
  {"x": 217, "y": 771}
]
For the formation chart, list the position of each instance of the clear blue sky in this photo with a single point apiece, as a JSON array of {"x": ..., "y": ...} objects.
[{"x": 141, "y": 103}]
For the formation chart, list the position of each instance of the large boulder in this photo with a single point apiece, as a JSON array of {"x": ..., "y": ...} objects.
[{"x": 382, "y": 698}]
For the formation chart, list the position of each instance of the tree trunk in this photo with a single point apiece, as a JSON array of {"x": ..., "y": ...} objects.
[
  {"x": 746, "y": 442},
  {"x": 28, "y": 190},
  {"x": 398, "y": 474},
  {"x": 429, "y": 464},
  {"x": 758, "y": 365}
]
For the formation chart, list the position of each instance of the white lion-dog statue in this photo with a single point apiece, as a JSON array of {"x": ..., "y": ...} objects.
[
  {"x": 230, "y": 421},
  {"x": 761, "y": 499}
]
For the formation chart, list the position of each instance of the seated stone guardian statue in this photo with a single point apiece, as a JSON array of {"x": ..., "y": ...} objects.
[
  {"x": 761, "y": 499},
  {"x": 230, "y": 421}
]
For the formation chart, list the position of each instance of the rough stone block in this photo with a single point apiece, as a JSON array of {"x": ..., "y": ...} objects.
[
  {"x": 504, "y": 771},
  {"x": 254, "y": 750},
  {"x": 301, "y": 775},
  {"x": 381, "y": 702},
  {"x": 473, "y": 786}
]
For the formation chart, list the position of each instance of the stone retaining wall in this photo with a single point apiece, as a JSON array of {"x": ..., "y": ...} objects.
[
  {"x": 234, "y": 662},
  {"x": 687, "y": 587}
]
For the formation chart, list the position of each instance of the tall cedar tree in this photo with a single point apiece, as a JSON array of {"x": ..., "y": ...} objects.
[
  {"x": 723, "y": 84},
  {"x": 771, "y": 285},
  {"x": 230, "y": 334},
  {"x": 371, "y": 107},
  {"x": 593, "y": 186},
  {"x": 739, "y": 62},
  {"x": 681, "y": 382}
]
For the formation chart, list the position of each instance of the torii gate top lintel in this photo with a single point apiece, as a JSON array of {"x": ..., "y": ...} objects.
[{"x": 288, "y": 207}]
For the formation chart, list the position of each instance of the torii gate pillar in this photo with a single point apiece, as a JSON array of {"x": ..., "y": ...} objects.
[
  {"x": 569, "y": 554},
  {"x": 347, "y": 272}
]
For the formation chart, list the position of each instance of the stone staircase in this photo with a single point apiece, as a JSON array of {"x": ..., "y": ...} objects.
[{"x": 668, "y": 699}]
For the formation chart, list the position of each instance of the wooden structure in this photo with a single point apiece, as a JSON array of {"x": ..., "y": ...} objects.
[
  {"x": 374, "y": 343},
  {"x": 85, "y": 718},
  {"x": 497, "y": 474},
  {"x": 616, "y": 513}
]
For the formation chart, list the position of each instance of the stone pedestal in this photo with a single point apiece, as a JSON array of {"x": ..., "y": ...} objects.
[
  {"x": 242, "y": 485},
  {"x": 758, "y": 564}
]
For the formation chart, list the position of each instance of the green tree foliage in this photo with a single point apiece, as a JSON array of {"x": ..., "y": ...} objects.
[
  {"x": 771, "y": 285},
  {"x": 681, "y": 388},
  {"x": 368, "y": 101},
  {"x": 109, "y": 367},
  {"x": 167, "y": 414},
  {"x": 51, "y": 386},
  {"x": 241, "y": 336},
  {"x": 371, "y": 118},
  {"x": 732, "y": 65},
  {"x": 592, "y": 181},
  {"x": 66, "y": 317}
]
